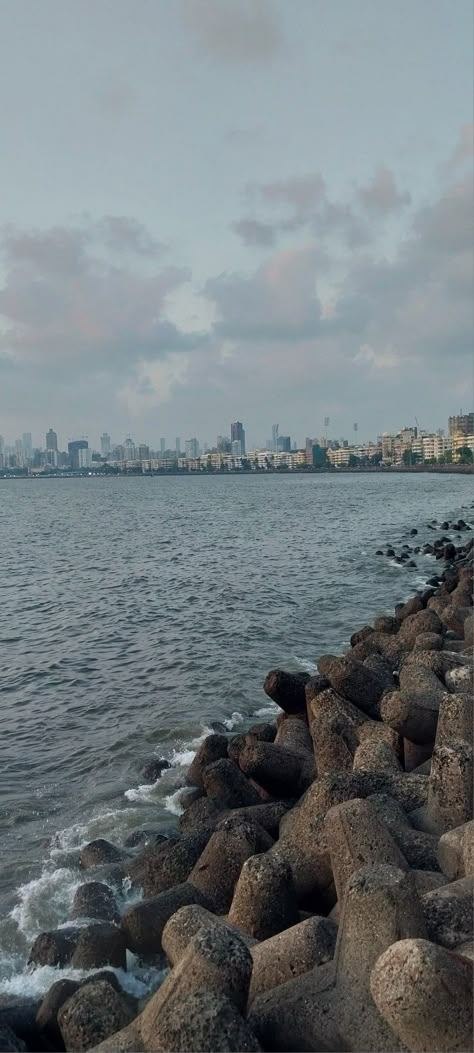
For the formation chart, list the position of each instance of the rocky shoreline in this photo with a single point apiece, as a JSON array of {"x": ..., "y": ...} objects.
[{"x": 318, "y": 894}]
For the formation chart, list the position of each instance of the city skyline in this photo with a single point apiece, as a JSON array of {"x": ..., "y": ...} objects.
[{"x": 258, "y": 209}]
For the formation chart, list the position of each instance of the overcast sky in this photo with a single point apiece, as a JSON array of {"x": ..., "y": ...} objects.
[{"x": 214, "y": 210}]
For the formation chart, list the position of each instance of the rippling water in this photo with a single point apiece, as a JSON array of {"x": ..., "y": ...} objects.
[{"x": 135, "y": 611}]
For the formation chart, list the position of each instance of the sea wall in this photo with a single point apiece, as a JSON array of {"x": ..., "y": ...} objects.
[{"x": 318, "y": 892}]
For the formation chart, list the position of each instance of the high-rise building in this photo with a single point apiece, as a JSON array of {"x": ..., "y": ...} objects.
[
  {"x": 2, "y": 451},
  {"x": 237, "y": 450},
  {"x": 162, "y": 447},
  {"x": 284, "y": 444},
  {"x": 462, "y": 424},
  {"x": 51, "y": 440},
  {"x": 105, "y": 445},
  {"x": 237, "y": 434},
  {"x": 84, "y": 457},
  {"x": 73, "y": 451},
  {"x": 192, "y": 449},
  {"x": 275, "y": 432},
  {"x": 143, "y": 452},
  {"x": 224, "y": 444},
  {"x": 178, "y": 445},
  {"x": 27, "y": 446}
]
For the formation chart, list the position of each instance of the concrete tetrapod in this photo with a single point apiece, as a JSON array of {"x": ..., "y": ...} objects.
[
  {"x": 215, "y": 961},
  {"x": 264, "y": 900},
  {"x": 357, "y": 837},
  {"x": 450, "y": 795},
  {"x": 291, "y": 953},
  {"x": 183, "y": 926},
  {"x": 425, "y": 993},
  {"x": 331, "y": 1008}
]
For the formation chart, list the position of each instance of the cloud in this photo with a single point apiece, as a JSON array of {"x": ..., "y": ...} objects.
[
  {"x": 463, "y": 151},
  {"x": 381, "y": 196},
  {"x": 237, "y": 31},
  {"x": 301, "y": 193},
  {"x": 278, "y": 302},
  {"x": 254, "y": 232},
  {"x": 69, "y": 297}
]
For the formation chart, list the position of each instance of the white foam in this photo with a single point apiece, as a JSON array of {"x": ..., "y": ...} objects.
[
  {"x": 268, "y": 710},
  {"x": 230, "y": 722},
  {"x": 306, "y": 665},
  {"x": 105, "y": 825},
  {"x": 184, "y": 756},
  {"x": 33, "y": 983},
  {"x": 173, "y": 804},
  {"x": 143, "y": 794},
  {"x": 46, "y": 901}
]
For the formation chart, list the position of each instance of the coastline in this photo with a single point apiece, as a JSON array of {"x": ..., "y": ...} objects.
[
  {"x": 418, "y": 469},
  {"x": 342, "y": 740}
]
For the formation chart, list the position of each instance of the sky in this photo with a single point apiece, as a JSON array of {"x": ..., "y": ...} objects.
[{"x": 219, "y": 210}]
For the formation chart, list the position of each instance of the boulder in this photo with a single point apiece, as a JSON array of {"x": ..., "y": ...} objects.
[
  {"x": 412, "y": 606},
  {"x": 264, "y": 900},
  {"x": 287, "y": 690},
  {"x": 204, "y": 1021},
  {"x": 281, "y": 771},
  {"x": 100, "y": 944},
  {"x": 361, "y": 635},
  {"x": 202, "y": 814},
  {"x": 355, "y": 682},
  {"x": 153, "y": 768},
  {"x": 263, "y": 732},
  {"x": 95, "y": 900},
  {"x": 294, "y": 734},
  {"x": 55, "y": 947},
  {"x": 212, "y": 749},
  {"x": 143, "y": 923},
  {"x": 428, "y": 642},
  {"x": 174, "y": 863},
  {"x": 9, "y": 1041},
  {"x": 425, "y": 994},
  {"x": 386, "y": 624},
  {"x": 98, "y": 852},
  {"x": 223, "y": 781},
  {"x": 93, "y": 1013},
  {"x": 234, "y": 841}
]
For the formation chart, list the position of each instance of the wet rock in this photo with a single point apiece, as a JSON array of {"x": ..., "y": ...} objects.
[
  {"x": 287, "y": 690},
  {"x": 55, "y": 947},
  {"x": 47, "y": 1016},
  {"x": 282, "y": 772},
  {"x": 94, "y": 900},
  {"x": 428, "y": 642},
  {"x": 100, "y": 944},
  {"x": 203, "y": 813},
  {"x": 141, "y": 838},
  {"x": 93, "y": 1013},
  {"x": 361, "y": 635},
  {"x": 9, "y": 1042},
  {"x": 136, "y": 868},
  {"x": 99, "y": 852},
  {"x": 425, "y": 994},
  {"x": 212, "y": 749},
  {"x": 225, "y": 782},
  {"x": 143, "y": 923},
  {"x": 405, "y": 610},
  {"x": 174, "y": 863},
  {"x": 153, "y": 768},
  {"x": 18, "y": 1013},
  {"x": 413, "y": 532},
  {"x": 386, "y": 624},
  {"x": 263, "y": 732}
]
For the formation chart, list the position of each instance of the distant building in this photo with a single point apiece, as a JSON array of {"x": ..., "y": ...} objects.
[
  {"x": 284, "y": 444},
  {"x": 178, "y": 445},
  {"x": 105, "y": 445},
  {"x": 237, "y": 434},
  {"x": 52, "y": 440},
  {"x": 84, "y": 457},
  {"x": 27, "y": 447},
  {"x": 462, "y": 424},
  {"x": 2, "y": 451},
  {"x": 73, "y": 449},
  {"x": 275, "y": 433},
  {"x": 237, "y": 450},
  {"x": 143, "y": 452},
  {"x": 192, "y": 449},
  {"x": 224, "y": 445},
  {"x": 162, "y": 446}
]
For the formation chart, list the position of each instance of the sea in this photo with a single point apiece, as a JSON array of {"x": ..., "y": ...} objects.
[{"x": 137, "y": 612}]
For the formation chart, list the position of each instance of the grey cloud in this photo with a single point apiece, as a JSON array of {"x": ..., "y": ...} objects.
[
  {"x": 240, "y": 31},
  {"x": 381, "y": 195},
  {"x": 300, "y": 193},
  {"x": 277, "y": 303},
  {"x": 254, "y": 232},
  {"x": 123, "y": 234},
  {"x": 66, "y": 305}
]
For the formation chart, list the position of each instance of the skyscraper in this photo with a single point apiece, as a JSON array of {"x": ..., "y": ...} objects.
[
  {"x": 105, "y": 444},
  {"x": 178, "y": 445},
  {"x": 192, "y": 449},
  {"x": 275, "y": 432},
  {"x": 162, "y": 446},
  {"x": 237, "y": 434},
  {"x": 51, "y": 440},
  {"x": 73, "y": 451},
  {"x": 27, "y": 446}
]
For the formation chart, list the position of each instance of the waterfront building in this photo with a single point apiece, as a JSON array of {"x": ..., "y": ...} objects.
[
  {"x": 73, "y": 449},
  {"x": 463, "y": 424}
]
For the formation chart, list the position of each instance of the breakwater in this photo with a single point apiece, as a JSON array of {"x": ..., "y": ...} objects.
[{"x": 315, "y": 862}]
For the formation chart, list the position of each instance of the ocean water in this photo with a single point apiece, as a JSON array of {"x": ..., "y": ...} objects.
[{"x": 136, "y": 611}]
